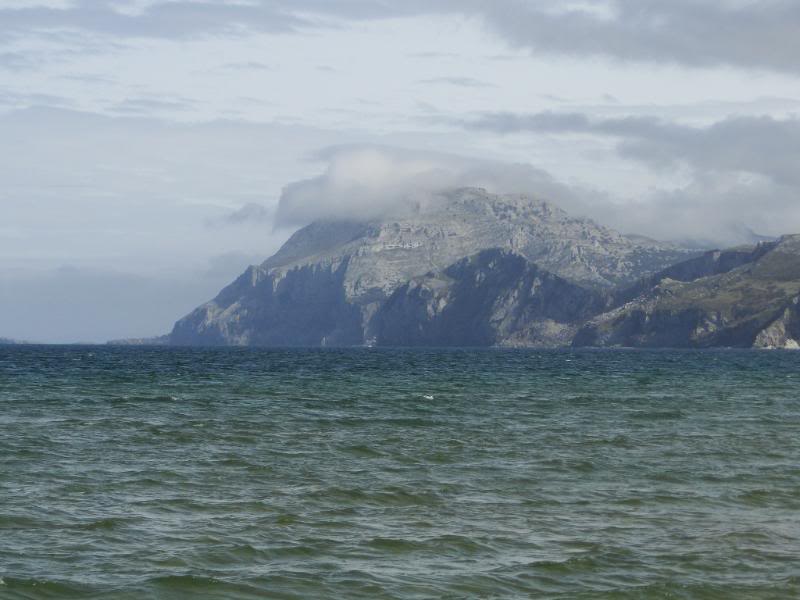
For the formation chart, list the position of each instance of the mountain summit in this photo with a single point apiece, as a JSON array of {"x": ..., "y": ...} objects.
[{"x": 330, "y": 282}]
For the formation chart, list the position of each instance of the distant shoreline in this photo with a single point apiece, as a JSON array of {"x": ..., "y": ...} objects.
[{"x": 421, "y": 349}]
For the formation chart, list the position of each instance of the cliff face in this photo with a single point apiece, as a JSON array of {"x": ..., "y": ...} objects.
[
  {"x": 740, "y": 298},
  {"x": 304, "y": 306},
  {"x": 326, "y": 285},
  {"x": 493, "y": 298}
]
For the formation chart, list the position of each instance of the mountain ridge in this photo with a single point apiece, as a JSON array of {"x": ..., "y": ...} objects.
[
  {"x": 468, "y": 268},
  {"x": 330, "y": 279}
]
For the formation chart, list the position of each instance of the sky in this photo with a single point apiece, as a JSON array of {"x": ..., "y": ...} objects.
[{"x": 151, "y": 149}]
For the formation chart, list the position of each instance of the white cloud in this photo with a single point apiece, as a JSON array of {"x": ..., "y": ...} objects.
[{"x": 367, "y": 182}]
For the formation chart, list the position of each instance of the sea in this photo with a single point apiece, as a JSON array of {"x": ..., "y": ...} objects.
[{"x": 136, "y": 473}]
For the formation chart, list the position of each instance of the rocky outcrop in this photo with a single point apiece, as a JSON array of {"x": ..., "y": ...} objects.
[
  {"x": 326, "y": 285},
  {"x": 783, "y": 332}
]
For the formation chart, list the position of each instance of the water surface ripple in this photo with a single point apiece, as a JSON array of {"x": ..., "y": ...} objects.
[{"x": 236, "y": 473}]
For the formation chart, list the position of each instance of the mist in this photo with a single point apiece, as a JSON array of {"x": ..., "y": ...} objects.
[{"x": 372, "y": 182}]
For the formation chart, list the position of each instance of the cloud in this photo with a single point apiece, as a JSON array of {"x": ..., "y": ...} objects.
[
  {"x": 250, "y": 65},
  {"x": 713, "y": 210},
  {"x": 764, "y": 146},
  {"x": 716, "y": 207},
  {"x": 743, "y": 170},
  {"x": 370, "y": 182},
  {"x": 249, "y": 214},
  {"x": 178, "y": 19},
  {"x": 693, "y": 33},
  {"x": 467, "y": 82},
  {"x": 89, "y": 78},
  {"x": 16, "y": 61},
  {"x": 432, "y": 54},
  {"x": 149, "y": 106},
  {"x": 10, "y": 99}
]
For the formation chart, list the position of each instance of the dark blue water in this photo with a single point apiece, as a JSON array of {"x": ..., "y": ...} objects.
[{"x": 168, "y": 473}]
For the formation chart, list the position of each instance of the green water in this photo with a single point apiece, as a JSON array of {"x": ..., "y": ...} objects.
[{"x": 168, "y": 473}]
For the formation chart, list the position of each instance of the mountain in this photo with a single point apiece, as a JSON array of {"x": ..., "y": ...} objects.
[
  {"x": 744, "y": 297},
  {"x": 349, "y": 283}
]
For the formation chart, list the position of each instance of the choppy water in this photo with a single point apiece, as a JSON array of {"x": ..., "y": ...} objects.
[{"x": 162, "y": 473}]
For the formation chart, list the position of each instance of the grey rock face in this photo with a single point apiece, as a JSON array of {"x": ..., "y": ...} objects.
[
  {"x": 463, "y": 222},
  {"x": 326, "y": 285},
  {"x": 303, "y": 306},
  {"x": 493, "y": 298}
]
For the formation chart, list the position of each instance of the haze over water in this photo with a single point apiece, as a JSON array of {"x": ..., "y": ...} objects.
[{"x": 245, "y": 473}]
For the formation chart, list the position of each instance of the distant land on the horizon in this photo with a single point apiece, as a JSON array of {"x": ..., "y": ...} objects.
[
  {"x": 11, "y": 342},
  {"x": 470, "y": 268}
]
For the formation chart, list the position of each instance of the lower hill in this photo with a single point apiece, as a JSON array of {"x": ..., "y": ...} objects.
[{"x": 745, "y": 297}]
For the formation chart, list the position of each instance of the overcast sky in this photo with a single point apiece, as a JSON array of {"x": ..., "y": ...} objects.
[{"x": 145, "y": 145}]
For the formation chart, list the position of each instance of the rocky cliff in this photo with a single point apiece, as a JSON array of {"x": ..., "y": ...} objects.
[
  {"x": 329, "y": 283},
  {"x": 495, "y": 297}
]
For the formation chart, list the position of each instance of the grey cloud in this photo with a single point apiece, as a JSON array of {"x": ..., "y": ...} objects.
[
  {"x": 251, "y": 65},
  {"x": 147, "y": 106},
  {"x": 161, "y": 20},
  {"x": 88, "y": 78},
  {"x": 189, "y": 18},
  {"x": 13, "y": 99},
  {"x": 743, "y": 170},
  {"x": 16, "y": 61},
  {"x": 696, "y": 33},
  {"x": 713, "y": 210},
  {"x": 248, "y": 214},
  {"x": 760, "y": 145},
  {"x": 432, "y": 54},
  {"x": 700, "y": 111},
  {"x": 468, "y": 82}
]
